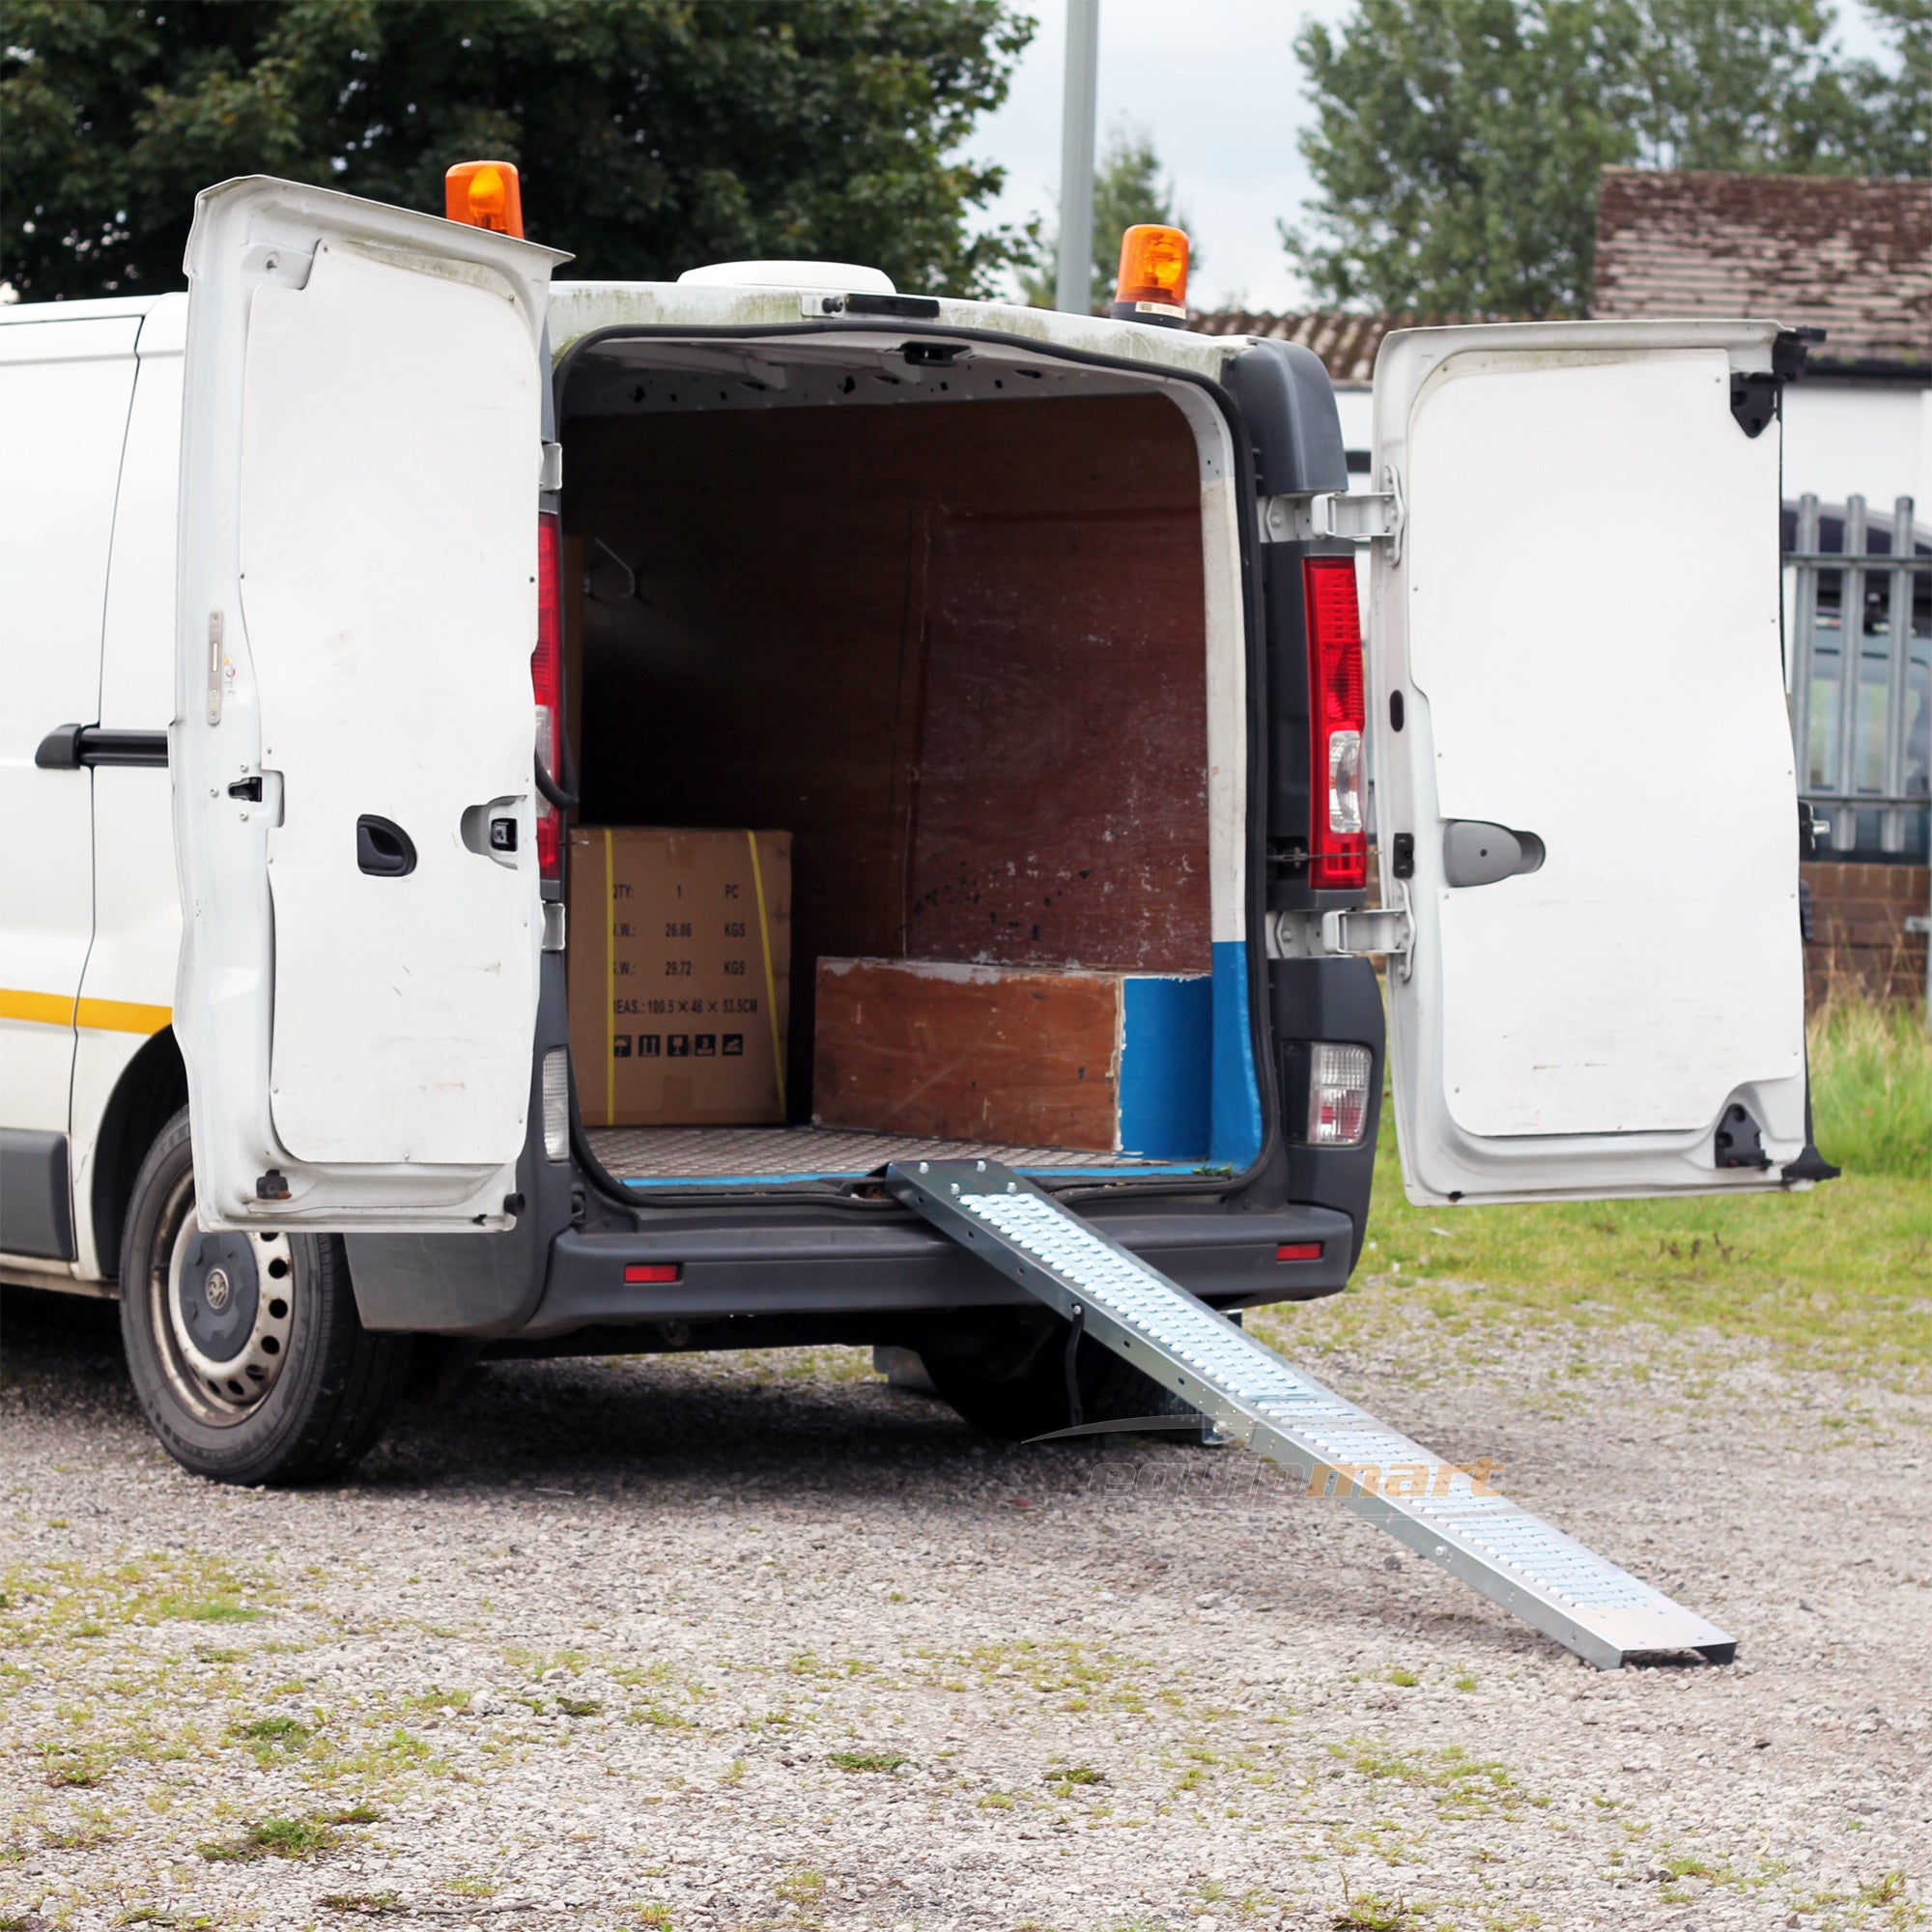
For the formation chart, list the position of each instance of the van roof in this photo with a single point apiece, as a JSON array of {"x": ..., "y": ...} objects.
[
  {"x": 104, "y": 308},
  {"x": 577, "y": 309}
]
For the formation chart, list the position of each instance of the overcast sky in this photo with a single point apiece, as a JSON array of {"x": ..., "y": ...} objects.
[{"x": 1217, "y": 85}]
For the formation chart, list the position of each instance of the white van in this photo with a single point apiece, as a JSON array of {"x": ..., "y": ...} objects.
[{"x": 1038, "y": 635}]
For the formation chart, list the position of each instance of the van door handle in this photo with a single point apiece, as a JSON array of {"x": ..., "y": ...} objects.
[
  {"x": 69, "y": 748},
  {"x": 1476, "y": 853},
  {"x": 383, "y": 848},
  {"x": 490, "y": 830}
]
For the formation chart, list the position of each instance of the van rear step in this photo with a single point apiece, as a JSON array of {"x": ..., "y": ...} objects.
[
  {"x": 718, "y": 1157},
  {"x": 1603, "y": 1613}
]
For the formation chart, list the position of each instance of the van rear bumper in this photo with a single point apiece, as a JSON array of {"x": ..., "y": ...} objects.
[{"x": 898, "y": 1265}]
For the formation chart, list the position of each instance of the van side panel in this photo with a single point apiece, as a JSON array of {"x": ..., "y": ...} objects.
[
  {"x": 129, "y": 988},
  {"x": 64, "y": 395}
]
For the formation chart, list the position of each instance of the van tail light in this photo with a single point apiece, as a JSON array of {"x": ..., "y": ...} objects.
[
  {"x": 1338, "y": 1093},
  {"x": 1338, "y": 845},
  {"x": 547, "y": 685},
  {"x": 554, "y": 1085}
]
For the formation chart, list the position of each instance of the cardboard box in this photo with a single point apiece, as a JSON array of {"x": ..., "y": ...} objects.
[
  {"x": 680, "y": 975},
  {"x": 1018, "y": 1056}
]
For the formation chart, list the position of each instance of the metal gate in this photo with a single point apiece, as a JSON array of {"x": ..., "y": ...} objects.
[
  {"x": 1860, "y": 662},
  {"x": 1861, "y": 669}
]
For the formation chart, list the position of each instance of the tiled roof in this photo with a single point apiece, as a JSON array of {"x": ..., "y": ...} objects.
[
  {"x": 1347, "y": 344},
  {"x": 1852, "y": 257}
]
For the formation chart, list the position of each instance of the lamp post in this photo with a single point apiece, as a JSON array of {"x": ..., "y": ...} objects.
[{"x": 1074, "y": 287}]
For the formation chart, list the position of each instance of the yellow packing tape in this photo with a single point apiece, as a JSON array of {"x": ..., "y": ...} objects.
[
  {"x": 610, "y": 984},
  {"x": 771, "y": 989}
]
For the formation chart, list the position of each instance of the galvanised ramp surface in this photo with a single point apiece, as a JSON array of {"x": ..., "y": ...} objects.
[{"x": 1451, "y": 1514}]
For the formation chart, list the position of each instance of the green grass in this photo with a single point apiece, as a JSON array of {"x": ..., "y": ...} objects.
[
  {"x": 868, "y": 1760},
  {"x": 1871, "y": 1069},
  {"x": 1462, "y": 1786},
  {"x": 1836, "y": 1276},
  {"x": 286, "y": 1838},
  {"x": 272, "y": 1837}
]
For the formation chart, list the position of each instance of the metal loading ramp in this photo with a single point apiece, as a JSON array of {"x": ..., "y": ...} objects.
[{"x": 1443, "y": 1513}]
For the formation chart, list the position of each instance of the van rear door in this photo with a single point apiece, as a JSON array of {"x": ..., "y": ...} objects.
[
  {"x": 353, "y": 744},
  {"x": 1586, "y": 792}
]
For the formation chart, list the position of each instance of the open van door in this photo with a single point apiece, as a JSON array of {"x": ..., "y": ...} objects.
[
  {"x": 353, "y": 736},
  {"x": 1585, "y": 793}
]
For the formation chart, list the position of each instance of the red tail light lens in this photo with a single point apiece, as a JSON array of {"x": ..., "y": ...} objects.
[
  {"x": 547, "y": 685},
  {"x": 1338, "y": 845}
]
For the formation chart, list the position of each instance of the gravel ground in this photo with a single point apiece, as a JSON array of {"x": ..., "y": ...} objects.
[{"x": 756, "y": 1641}]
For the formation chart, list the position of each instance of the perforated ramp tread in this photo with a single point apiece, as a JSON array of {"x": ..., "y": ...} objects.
[
  {"x": 653, "y": 1157},
  {"x": 1449, "y": 1514}
]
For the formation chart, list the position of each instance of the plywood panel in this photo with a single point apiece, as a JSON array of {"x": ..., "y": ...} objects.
[
  {"x": 969, "y": 1052},
  {"x": 1062, "y": 812}
]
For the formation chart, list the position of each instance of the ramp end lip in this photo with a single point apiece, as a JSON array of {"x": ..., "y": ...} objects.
[{"x": 1714, "y": 1653}]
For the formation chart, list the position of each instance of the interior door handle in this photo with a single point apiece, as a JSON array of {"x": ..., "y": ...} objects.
[
  {"x": 1475, "y": 853},
  {"x": 383, "y": 848}
]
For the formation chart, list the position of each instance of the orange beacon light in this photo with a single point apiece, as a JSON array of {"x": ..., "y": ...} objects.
[
  {"x": 1153, "y": 284},
  {"x": 484, "y": 194}
]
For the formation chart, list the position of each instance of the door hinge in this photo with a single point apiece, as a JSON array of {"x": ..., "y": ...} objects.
[
  {"x": 549, "y": 473},
  {"x": 1336, "y": 515},
  {"x": 1358, "y": 934}
]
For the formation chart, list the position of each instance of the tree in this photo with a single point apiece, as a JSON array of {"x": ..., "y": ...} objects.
[
  {"x": 1127, "y": 189},
  {"x": 654, "y": 135},
  {"x": 1890, "y": 106},
  {"x": 1457, "y": 143}
]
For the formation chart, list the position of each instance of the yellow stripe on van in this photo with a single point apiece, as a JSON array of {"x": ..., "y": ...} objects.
[
  {"x": 62, "y": 1010},
  {"x": 47, "y": 1009},
  {"x": 124, "y": 1016}
]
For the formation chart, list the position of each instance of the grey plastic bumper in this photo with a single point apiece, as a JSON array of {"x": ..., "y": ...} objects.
[{"x": 899, "y": 1265}]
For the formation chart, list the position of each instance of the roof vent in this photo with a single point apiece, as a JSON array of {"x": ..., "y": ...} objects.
[{"x": 843, "y": 278}]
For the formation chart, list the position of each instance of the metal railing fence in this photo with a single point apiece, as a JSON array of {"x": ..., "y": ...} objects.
[{"x": 1861, "y": 669}]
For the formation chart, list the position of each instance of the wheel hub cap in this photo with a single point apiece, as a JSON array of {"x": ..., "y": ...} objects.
[{"x": 230, "y": 1300}]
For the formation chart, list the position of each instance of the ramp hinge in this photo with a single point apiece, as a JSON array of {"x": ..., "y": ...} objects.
[
  {"x": 1335, "y": 516},
  {"x": 1358, "y": 934}
]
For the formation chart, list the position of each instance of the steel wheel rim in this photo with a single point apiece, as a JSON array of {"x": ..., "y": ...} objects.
[{"x": 220, "y": 1390}]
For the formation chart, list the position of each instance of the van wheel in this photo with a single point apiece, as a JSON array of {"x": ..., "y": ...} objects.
[
  {"x": 1008, "y": 1378},
  {"x": 245, "y": 1350}
]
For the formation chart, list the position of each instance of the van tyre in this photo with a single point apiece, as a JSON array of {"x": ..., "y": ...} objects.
[
  {"x": 1008, "y": 1379},
  {"x": 245, "y": 1350}
]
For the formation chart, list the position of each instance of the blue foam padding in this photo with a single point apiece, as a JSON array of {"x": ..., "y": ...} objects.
[
  {"x": 1235, "y": 1130},
  {"x": 1167, "y": 1035}
]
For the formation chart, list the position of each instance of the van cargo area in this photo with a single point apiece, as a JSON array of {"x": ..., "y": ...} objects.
[{"x": 938, "y": 617}]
